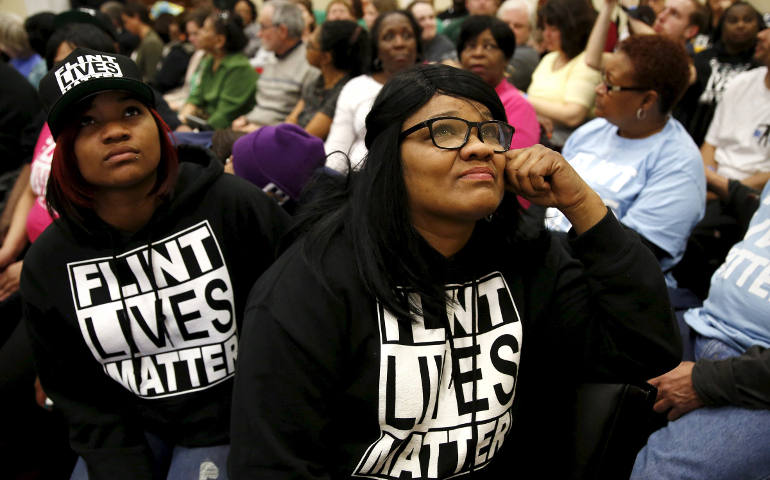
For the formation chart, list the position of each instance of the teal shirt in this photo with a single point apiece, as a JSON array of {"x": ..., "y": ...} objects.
[{"x": 226, "y": 93}]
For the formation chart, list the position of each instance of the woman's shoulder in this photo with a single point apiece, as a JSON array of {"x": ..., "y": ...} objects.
[{"x": 359, "y": 90}]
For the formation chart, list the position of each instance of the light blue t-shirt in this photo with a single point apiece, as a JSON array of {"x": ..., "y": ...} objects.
[
  {"x": 737, "y": 310},
  {"x": 654, "y": 185}
]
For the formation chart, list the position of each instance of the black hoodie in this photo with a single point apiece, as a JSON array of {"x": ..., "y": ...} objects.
[
  {"x": 331, "y": 385},
  {"x": 167, "y": 366}
]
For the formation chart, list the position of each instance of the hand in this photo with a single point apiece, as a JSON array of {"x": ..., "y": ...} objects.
[
  {"x": 9, "y": 280},
  {"x": 184, "y": 128},
  {"x": 675, "y": 391},
  {"x": 545, "y": 178},
  {"x": 239, "y": 123}
]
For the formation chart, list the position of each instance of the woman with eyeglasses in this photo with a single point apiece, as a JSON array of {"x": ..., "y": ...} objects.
[
  {"x": 416, "y": 330},
  {"x": 227, "y": 84},
  {"x": 638, "y": 158},
  {"x": 485, "y": 46}
]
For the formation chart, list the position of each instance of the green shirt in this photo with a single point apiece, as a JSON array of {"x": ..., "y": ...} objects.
[{"x": 226, "y": 93}]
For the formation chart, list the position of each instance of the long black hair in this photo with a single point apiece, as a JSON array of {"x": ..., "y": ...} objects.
[{"x": 371, "y": 205}]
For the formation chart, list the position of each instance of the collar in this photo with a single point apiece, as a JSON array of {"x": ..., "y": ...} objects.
[{"x": 288, "y": 52}]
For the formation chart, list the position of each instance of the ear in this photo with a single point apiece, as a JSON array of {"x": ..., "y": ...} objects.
[
  {"x": 326, "y": 58},
  {"x": 690, "y": 32},
  {"x": 283, "y": 31},
  {"x": 650, "y": 100}
]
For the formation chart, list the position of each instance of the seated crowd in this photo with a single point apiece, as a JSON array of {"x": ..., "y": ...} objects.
[{"x": 376, "y": 212}]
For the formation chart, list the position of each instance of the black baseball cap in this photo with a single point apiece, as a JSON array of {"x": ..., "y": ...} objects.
[{"x": 86, "y": 72}]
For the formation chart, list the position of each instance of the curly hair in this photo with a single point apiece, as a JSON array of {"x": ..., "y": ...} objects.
[{"x": 659, "y": 64}]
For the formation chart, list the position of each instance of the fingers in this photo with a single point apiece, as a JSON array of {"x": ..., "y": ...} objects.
[
  {"x": 661, "y": 405},
  {"x": 528, "y": 170}
]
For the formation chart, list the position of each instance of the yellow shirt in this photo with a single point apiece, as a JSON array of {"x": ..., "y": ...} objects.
[{"x": 575, "y": 82}]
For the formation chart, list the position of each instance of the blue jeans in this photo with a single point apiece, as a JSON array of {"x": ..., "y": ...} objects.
[
  {"x": 181, "y": 463},
  {"x": 724, "y": 443}
]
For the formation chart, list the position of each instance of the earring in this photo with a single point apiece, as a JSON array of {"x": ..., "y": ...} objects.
[
  {"x": 640, "y": 113},
  {"x": 377, "y": 64}
]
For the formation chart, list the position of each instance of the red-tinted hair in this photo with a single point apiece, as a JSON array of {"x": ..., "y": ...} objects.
[{"x": 68, "y": 192}]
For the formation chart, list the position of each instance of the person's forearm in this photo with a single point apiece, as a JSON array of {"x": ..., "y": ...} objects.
[
  {"x": 707, "y": 151},
  {"x": 16, "y": 239},
  {"x": 569, "y": 114},
  {"x": 742, "y": 381},
  {"x": 21, "y": 183},
  {"x": 294, "y": 115},
  {"x": 319, "y": 125},
  {"x": 757, "y": 181},
  {"x": 598, "y": 37},
  {"x": 717, "y": 183}
]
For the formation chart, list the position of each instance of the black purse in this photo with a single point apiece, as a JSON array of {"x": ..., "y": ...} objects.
[{"x": 612, "y": 423}]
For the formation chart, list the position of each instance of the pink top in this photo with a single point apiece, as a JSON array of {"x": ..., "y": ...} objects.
[
  {"x": 520, "y": 114},
  {"x": 38, "y": 218}
]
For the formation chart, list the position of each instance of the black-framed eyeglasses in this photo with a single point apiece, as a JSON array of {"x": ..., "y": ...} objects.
[
  {"x": 452, "y": 133},
  {"x": 617, "y": 88}
]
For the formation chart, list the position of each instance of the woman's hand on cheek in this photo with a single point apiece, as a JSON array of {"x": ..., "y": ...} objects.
[{"x": 545, "y": 178}]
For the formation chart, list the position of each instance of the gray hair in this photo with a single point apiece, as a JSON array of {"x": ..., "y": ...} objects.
[
  {"x": 289, "y": 14},
  {"x": 13, "y": 37},
  {"x": 516, "y": 5}
]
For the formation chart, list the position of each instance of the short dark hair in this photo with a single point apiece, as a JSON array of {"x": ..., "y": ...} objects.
[
  {"x": 134, "y": 9},
  {"x": 659, "y": 64},
  {"x": 375, "y": 35},
  {"x": 573, "y": 18},
  {"x": 474, "y": 25},
  {"x": 231, "y": 26},
  {"x": 372, "y": 205},
  {"x": 68, "y": 194},
  {"x": 346, "y": 40}
]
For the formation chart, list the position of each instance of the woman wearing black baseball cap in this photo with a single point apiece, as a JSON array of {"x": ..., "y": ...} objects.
[{"x": 134, "y": 296}]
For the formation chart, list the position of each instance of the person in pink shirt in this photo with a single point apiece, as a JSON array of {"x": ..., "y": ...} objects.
[{"x": 485, "y": 46}]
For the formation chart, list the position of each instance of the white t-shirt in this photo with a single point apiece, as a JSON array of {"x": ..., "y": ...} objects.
[
  {"x": 349, "y": 125},
  {"x": 740, "y": 130}
]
